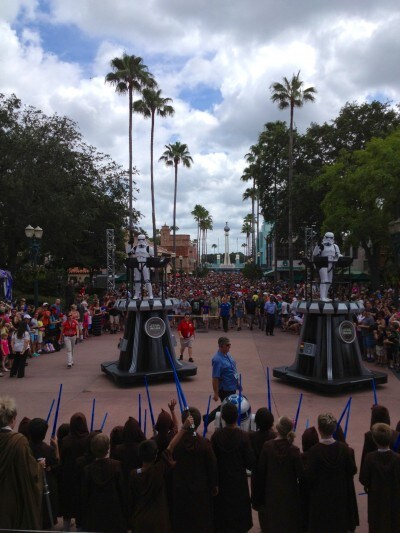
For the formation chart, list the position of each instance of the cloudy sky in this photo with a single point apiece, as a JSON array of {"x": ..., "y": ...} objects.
[{"x": 216, "y": 59}]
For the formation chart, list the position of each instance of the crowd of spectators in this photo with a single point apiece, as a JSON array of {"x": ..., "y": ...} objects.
[{"x": 219, "y": 301}]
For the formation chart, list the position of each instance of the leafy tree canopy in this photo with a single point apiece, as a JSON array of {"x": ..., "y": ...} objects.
[{"x": 49, "y": 177}]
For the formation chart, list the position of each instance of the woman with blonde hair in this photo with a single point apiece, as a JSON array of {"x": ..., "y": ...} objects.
[{"x": 276, "y": 494}]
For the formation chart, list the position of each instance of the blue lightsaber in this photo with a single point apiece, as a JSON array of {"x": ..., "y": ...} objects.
[
  {"x": 51, "y": 408},
  {"x": 269, "y": 391},
  {"x": 145, "y": 422},
  {"x": 374, "y": 389},
  {"x": 92, "y": 417},
  {"x": 343, "y": 414},
  {"x": 53, "y": 433},
  {"x": 179, "y": 396},
  {"x": 104, "y": 421},
  {"x": 207, "y": 415},
  {"x": 140, "y": 410},
  {"x": 298, "y": 412},
  {"x": 149, "y": 401},
  {"x": 240, "y": 401},
  {"x": 178, "y": 384},
  {"x": 347, "y": 420}
]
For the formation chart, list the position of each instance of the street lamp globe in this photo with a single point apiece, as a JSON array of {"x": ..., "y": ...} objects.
[
  {"x": 29, "y": 232},
  {"x": 38, "y": 232}
]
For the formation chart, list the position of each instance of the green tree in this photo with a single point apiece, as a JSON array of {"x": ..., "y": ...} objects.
[
  {"x": 291, "y": 94},
  {"x": 129, "y": 74},
  {"x": 58, "y": 183},
  {"x": 199, "y": 213},
  {"x": 206, "y": 224},
  {"x": 362, "y": 197},
  {"x": 152, "y": 104},
  {"x": 247, "y": 228},
  {"x": 174, "y": 155},
  {"x": 214, "y": 247}
]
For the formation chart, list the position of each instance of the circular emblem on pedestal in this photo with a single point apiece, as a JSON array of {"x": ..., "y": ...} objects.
[
  {"x": 346, "y": 332},
  {"x": 155, "y": 327}
]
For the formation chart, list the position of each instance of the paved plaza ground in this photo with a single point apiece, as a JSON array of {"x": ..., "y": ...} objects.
[{"x": 253, "y": 352}]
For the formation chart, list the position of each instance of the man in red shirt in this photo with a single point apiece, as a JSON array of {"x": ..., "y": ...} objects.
[
  {"x": 186, "y": 336},
  {"x": 70, "y": 331}
]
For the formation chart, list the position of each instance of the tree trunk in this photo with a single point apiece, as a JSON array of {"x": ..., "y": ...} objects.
[
  {"x": 130, "y": 165},
  {"x": 174, "y": 218},
  {"x": 153, "y": 206},
  {"x": 290, "y": 192},
  {"x": 373, "y": 263}
]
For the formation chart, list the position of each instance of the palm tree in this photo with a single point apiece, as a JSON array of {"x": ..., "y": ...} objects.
[
  {"x": 152, "y": 104},
  {"x": 174, "y": 155},
  {"x": 214, "y": 247},
  {"x": 290, "y": 94},
  {"x": 199, "y": 213},
  {"x": 251, "y": 192},
  {"x": 247, "y": 229},
  {"x": 130, "y": 74},
  {"x": 205, "y": 225}
]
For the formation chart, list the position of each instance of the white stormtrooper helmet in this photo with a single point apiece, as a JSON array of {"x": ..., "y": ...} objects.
[
  {"x": 141, "y": 239},
  {"x": 329, "y": 238}
]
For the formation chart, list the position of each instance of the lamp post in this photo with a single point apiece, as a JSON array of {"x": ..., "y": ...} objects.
[
  {"x": 180, "y": 265},
  {"x": 34, "y": 236}
]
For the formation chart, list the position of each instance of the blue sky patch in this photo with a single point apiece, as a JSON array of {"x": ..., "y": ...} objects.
[{"x": 202, "y": 97}]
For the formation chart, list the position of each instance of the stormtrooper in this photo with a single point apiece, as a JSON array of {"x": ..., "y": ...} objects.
[
  {"x": 328, "y": 249},
  {"x": 142, "y": 274}
]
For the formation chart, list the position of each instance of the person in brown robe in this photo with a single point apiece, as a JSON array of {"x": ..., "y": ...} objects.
[
  {"x": 194, "y": 481},
  {"x": 308, "y": 439},
  {"x": 166, "y": 427},
  {"x": 21, "y": 476},
  {"x": 37, "y": 432},
  {"x": 148, "y": 506},
  {"x": 103, "y": 494},
  {"x": 115, "y": 439},
  {"x": 128, "y": 451},
  {"x": 276, "y": 488},
  {"x": 379, "y": 414},
  {"x": 380, "y": 475},
  {"x": 264, "y": 421},
  {"x": 234, "y": 455},
  {"x": 72, "y": 447},
  {"x": 329, "y": 473}
]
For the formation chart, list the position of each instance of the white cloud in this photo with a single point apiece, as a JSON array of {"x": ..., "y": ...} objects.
[{"x": 347, "y": 50}]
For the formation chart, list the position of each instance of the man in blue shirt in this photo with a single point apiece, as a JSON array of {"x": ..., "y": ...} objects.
[
  {"x": 269, "y": 312},
  {"x": 225, "y": 313},
  {"x": 224, "y": 375},
  {"x": 224, "y": 372}
]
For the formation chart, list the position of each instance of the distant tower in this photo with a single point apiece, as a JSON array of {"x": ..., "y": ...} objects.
[{"x": 226, "y": 254}]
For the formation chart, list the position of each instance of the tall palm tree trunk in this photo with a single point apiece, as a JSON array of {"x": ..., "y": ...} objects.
[
  {"x": 290, "y": 192},
  {"x": 153, "y": 203},
  {"x": 174, "y": 220},
  {"x": 130, "y": 164}
]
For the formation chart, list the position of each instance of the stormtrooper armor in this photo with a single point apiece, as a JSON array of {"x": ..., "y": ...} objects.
[
  {"x": 142, "y": 251},
  {"x": 247, "y": 422},
  {"x": 328, "y": 249}
]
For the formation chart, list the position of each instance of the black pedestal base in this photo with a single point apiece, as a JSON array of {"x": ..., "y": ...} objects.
[
  {"x": 126, "y": 378},
  {"x": 328, "y": 356},
  {"x": 322, "y": 385},
  {"x": 146, "y": 343}
]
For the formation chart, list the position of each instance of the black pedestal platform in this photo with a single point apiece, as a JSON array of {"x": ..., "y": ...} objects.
[
  {"x": 143, "y": 348},
  {"x": 328, "y": 355}
]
